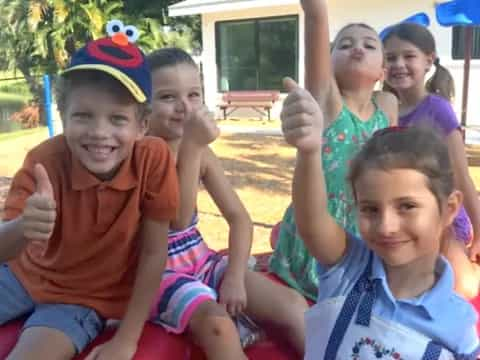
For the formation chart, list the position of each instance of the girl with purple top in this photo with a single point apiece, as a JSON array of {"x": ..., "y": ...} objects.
[{"x": 410, "y": 53}]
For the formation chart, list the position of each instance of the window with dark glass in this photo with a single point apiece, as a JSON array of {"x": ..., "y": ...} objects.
[
  {"x": 458, "y": 42},
  {"x": 256, "y": 54}
]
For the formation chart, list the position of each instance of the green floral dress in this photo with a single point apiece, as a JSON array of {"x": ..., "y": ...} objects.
[{"x": 291, "y": 260}]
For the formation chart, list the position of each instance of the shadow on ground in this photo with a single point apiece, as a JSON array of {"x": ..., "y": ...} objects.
[
  {"x": 473, "y": 155},
  {"x": 260, "y": 161}
]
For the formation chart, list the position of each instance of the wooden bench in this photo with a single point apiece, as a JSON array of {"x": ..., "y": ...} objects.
[{"x": 260, "y": 101}]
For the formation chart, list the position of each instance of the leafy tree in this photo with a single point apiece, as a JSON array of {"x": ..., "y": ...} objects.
[
  {"x": 186, "y": 27},
  {"x": 40, "y": 36}
]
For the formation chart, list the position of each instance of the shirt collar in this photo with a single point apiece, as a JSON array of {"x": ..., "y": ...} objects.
[
  {"x": 125, "y": 178},
  {"x": 432, "y": 301}
]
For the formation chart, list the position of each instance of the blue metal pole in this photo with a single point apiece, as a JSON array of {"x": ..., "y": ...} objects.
[{"x": 48, "y": 104}]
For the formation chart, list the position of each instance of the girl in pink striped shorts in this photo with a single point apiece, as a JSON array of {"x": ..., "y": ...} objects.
[{"x": 202, "y": 292}]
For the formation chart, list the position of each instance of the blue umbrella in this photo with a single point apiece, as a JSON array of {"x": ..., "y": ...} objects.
[
  {"x": 458, "y": 12},
  {"x": 419, "y": 18},
  {"x": 461, "y": 13}
]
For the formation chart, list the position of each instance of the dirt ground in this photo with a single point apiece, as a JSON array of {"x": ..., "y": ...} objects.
[{"x": 260, "y": 169}]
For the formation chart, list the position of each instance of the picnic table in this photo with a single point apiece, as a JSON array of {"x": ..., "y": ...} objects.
[{"x": 260, "y": 101}]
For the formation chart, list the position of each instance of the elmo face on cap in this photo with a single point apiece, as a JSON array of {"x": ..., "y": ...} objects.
[
  {"x": 118, "y": 48},
  {"x": 118, "y": 56}
]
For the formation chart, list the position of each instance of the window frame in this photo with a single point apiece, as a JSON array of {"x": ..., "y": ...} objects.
[
  {"x": 458, "y": 50},
  {"x": 256, "y": 22}
]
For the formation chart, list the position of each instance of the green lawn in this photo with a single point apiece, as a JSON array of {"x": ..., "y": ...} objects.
[
  {"x": 13, "y": 99},
  {"x": 15, "y": 145},
  {"x": 10, "y": 102},
  {"x": 19, "y": 133}
]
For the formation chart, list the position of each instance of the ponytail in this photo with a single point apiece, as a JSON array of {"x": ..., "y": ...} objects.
[{"x": 441, "y": 83}]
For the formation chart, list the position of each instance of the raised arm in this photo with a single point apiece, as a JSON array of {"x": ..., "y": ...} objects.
[
  {"x": 319, "y": 77},
  {"x": 199, "y": 132},
  {"x": 302, "y": 124}
]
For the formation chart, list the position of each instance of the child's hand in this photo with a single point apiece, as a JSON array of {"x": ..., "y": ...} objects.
[
  {"x": 202, "y": 128},
  {"x": 302, "y": 119},
  {"x": 38, "y": 219},
  {"x": 232, "y": 293},
  {"x": 113, "y": 349}
]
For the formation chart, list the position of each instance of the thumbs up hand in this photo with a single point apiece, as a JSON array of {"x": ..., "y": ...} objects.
[
  {"x": 302, "y": 119},
  {"x": 201, "y": 128},
  {"x": 39, "y": 215}
]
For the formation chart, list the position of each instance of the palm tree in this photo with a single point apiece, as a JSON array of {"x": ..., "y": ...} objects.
[
  {"x": 39, "y": 36},
  {"x": 186, "y": 30}
]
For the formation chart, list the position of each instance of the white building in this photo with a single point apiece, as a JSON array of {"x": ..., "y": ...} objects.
[{"x": 252, "y": 44}]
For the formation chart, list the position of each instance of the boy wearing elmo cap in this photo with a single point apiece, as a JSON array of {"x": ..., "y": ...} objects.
[{"x": 84, "y": 236}]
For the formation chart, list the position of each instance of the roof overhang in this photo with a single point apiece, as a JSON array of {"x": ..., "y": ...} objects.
[{"x": 195, "y": 7}]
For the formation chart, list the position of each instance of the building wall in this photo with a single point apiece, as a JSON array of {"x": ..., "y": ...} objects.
[{"x": 378, "y": 14}]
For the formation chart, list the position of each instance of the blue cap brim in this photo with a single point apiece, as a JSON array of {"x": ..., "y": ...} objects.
[{"x": 131, "y": 85}]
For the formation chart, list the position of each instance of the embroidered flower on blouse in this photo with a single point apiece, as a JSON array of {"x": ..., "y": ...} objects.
[{"x": 378, "y": 350}]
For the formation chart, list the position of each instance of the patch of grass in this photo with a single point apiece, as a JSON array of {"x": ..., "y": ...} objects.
[
  {"x": 19, "y": 133},
  {"x": 9, "y": 99},
  {"x": 15, "y": 145},
  {"x": 15, "y": 87}
]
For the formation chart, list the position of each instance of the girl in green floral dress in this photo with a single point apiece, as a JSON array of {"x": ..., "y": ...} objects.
[{"x": 343, "y": 82}]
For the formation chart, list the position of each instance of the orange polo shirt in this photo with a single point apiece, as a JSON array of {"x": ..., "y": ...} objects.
[{"x": 92, "y": 254}]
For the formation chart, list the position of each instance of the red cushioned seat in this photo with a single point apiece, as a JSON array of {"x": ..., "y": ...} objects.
[
  {"x": 476, "y": 303},
  {"x": 155, "y": 343},
  {"x": 8, "y": 336}
]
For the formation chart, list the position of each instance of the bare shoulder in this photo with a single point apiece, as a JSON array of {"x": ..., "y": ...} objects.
[
  {"x": 388, "y": 103},
  {"x": 385, "y": 99}
]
